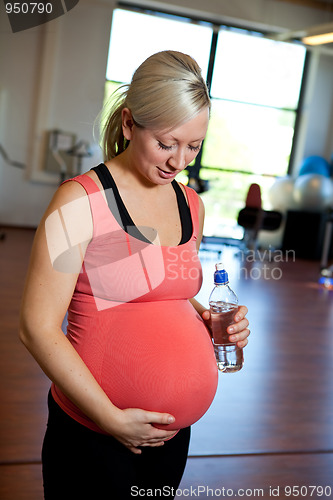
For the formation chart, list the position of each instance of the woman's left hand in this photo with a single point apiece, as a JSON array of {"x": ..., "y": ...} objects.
[{"x": 238, "y": 331}]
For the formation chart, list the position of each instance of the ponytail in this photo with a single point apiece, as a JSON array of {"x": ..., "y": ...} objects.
[{"x": 113, "y": 140}]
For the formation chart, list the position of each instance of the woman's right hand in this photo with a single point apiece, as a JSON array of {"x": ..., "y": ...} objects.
[{"x": 134, "y": 428}]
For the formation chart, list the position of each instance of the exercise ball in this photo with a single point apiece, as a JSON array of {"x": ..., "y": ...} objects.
[
  {"x": 315, "y": 165},
  {"x": 281, "y": 194},
  {"x": 313, "y": 192}
]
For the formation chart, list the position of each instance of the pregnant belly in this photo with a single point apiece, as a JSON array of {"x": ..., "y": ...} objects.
[{"x": 160, "y": 358}]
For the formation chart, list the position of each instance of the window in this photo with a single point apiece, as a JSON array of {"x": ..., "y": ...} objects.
[
  {"x": 135, "y": 36},
  {"x": 255, "y": 87}
]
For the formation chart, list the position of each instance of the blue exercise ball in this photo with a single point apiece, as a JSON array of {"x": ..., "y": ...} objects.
[{"x": 315, "y": 165}]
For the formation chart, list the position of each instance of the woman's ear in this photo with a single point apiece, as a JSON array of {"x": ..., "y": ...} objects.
[{"x": 127, "y": 123}]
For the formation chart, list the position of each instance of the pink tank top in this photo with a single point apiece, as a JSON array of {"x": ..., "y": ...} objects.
[{"x": 132, "y": 324}]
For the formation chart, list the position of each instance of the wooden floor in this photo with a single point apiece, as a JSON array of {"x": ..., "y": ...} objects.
[{"x": 270, "y": 427}]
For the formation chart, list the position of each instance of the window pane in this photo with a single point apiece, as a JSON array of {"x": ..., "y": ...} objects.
[
  {"x": 226, "y": 197},
  {"x": 249, "y": 138},
  {"x": 135, "y": 36},
  {"x": 110, "y": 88},
  {"x": 254, "y": 69}
]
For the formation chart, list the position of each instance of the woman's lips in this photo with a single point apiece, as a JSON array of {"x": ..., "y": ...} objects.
[{"x": 165, "y": 174}]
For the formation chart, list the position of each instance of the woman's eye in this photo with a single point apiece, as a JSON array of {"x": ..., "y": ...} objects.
[
  {"x": 194, "y": 148},
  {"x": 168, "y": 148},
  {"x": 163, "y": 146}
]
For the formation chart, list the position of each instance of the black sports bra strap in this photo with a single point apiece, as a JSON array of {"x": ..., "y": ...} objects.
[
  {"x": 111, "y": 193},
  {"x": 103, "y": 174},
  {"x": 184, "y": 213}
]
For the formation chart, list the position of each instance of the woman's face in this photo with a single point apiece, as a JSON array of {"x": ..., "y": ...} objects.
[{"x": 160, "y": 156}]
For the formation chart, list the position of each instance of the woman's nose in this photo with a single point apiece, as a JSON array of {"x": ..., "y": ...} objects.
[{"x": 177, "y": 160}]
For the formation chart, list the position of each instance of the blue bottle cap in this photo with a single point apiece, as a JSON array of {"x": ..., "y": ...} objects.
[{"x": 220, "y": 276}]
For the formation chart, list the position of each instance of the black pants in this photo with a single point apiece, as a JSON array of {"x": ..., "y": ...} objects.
[{"x": 80, "y": 464}]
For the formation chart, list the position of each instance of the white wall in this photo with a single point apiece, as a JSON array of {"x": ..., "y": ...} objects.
[
  {"x": 319, "y": 131},
  {"x": 53, "y": 77},
  {"x": 50, "y": 77},
  {"x": 20, "y": 202},
  {"x": 249, "y": 12}
]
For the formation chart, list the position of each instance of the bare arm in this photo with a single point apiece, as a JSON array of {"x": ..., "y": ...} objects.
[{"x": 46, "y": 297}]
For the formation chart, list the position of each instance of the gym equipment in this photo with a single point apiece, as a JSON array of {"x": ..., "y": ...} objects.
[{"x": 313, "y": 192}]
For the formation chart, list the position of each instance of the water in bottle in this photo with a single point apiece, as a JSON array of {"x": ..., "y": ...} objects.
[{"x": 223, "y": 304}]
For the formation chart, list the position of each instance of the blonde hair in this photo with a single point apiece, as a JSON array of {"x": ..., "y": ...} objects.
[{"x": 166, "y": 91}]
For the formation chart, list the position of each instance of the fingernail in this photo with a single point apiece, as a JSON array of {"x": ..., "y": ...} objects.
[
  {"x": 231, "y": 329},
  {"x": 171, "y": 420}
]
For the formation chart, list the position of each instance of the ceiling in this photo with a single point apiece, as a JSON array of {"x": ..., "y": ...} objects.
[{"x": 314, "y": 4}]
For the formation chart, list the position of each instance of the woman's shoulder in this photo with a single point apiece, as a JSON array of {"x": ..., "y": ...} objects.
[
  {"x": 67, "y": 192},
  {"x": 88, "y": 181},
  {"x": 70, "y": 202}
]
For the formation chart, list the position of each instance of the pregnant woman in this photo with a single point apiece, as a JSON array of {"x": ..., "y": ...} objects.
[{"x": 117, "y": 249}]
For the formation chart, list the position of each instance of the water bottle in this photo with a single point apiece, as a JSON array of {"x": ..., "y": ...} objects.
[{"x": 223, "y": 304}]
